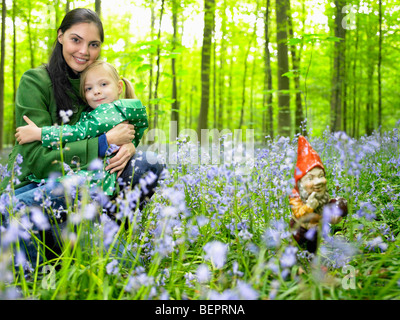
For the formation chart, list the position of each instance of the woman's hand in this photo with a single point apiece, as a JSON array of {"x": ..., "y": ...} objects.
[
  {"x": 120, "y": 160},
  {"x": 121, "y": 134},
  {"x": 29, "y": 133}
]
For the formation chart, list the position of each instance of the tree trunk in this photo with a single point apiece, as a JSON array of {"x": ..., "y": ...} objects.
[
  {"x": 369, "y": 126},
  {"x": 221, "y": 78},
  {"x": 267, "y": 97},
  {"x": 14, "y": 68},
  {"x": 209, "y": 6},
  {"x": 97, "y": 7},
  {"x": 3, "y": 40},
  {"x": 379, "y": 68},
  {"x": 245, "y": 66},
  {"x": 284, "y": 119},
  {"x": 355, "y": 112},
  {"x": 175, "y": 104},
  {"x": 158, "y": 67},
  {"x": 214, "y": 45},
  {"x": 338, "y": 70},
  {"x": 30, "y": 40},
  {"x": 67, "y": 6},
  {"x": 299, "y": 118},
  {"x": 151, "y": 57}
]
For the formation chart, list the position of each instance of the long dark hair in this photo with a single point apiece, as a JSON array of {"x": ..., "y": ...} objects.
[{"x": 57, "y": 67}]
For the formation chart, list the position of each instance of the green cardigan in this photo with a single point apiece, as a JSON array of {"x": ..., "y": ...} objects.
[{"x": 35, "y": 99}]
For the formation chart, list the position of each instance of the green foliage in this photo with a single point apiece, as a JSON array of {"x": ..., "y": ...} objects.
[{"x": 130, "y": 46}]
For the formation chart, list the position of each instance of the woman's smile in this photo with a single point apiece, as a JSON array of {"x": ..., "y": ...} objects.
[{"x": 81, "y": 45}]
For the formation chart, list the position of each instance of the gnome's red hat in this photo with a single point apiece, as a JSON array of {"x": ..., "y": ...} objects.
[{"x": 307, "y": 159}]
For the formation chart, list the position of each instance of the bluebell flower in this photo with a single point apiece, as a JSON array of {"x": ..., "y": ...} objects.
[
  {"x": 376, "y": 243},
  {"x": 110, "y": 229},
  {"x": 336, "y": 252},
  {"x": 189, "y": 279},
  {"x": 277, "y": 232},
  {"x": 216, "y": 252},
  {"x": 235, "y": 269},
  {"x": 138, "y": 280},
  {"x": 246, "y": 291},
  {"x": 19, "y": 159},
  {"x": 288, "y": 258},
  {"x": 112, "y": 267},
  {"x": 96, "y": 164},
  {"x": 202, "y": 220},
  {"x": 227, "y": 294},
  {"x": 13, "y": 233},
  {"x": 310, "y": 234},
  {"x": 39, "y": 219},
  {"x": 367, "y": 210},
  {"x": 203, "y": 274},
  {"x": 274, "y": 289},
  {"x": 112, "y": 148},
  {"x": 65, "y": 115}
]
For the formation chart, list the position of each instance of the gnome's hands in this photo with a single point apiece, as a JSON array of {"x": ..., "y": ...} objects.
[{"x": 312, "y": 202}]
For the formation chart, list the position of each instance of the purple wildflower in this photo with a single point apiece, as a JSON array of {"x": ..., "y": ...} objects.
[
  {"x": 112, "y": 267},
  {"x": 65, "y": 115},
  {"x": 96, "y": 164},
  {"x": 203, "y": 274},
  {"x": 39, "y": 219},
  {"x": 288, "y": 258},
  {"x": 216, "y": 251},
  {"x": 376, "y": 243}
]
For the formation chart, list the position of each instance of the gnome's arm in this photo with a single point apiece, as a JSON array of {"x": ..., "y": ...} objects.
[{"x": 299, "y": 209}]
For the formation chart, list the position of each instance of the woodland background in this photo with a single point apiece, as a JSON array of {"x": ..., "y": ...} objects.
[{"x": 250, "y": 64}]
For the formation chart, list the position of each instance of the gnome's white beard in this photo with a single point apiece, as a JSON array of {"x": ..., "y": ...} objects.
[{"x": 323, "y": 198}]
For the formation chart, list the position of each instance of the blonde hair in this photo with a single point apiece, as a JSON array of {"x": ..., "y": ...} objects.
[{"x": 129, "y": 90}]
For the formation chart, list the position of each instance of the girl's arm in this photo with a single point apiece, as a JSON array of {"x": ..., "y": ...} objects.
[
  {"x": 135, "y": 112},
  {"x": 99, "y": 121}
]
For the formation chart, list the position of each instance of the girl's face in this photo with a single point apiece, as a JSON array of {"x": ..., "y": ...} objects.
[
  {"x": 81, "y": 45},
  {"x": 101, "y": 87}
]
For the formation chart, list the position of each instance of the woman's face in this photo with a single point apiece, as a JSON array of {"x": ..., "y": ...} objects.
[{"x": 81, "y": 45}]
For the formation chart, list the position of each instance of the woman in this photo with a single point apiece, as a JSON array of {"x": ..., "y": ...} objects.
[{"x": 45, "y": 95}]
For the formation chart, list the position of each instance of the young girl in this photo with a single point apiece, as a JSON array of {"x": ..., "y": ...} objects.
[{"x": 101, "y": 87}]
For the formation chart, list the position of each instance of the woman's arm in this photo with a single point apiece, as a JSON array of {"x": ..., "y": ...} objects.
[{"x": 35, "y": 99}]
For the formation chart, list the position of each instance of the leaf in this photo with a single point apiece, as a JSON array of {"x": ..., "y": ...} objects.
[
  {"x": 289, "y": 74},
  {"x": 139, "y": 87},
  {"x": 143, "y": 67},
  {"x": 294, "y": 41}
]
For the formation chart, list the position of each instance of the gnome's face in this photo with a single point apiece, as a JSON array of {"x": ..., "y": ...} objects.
[{"x": 314, "y": 181}]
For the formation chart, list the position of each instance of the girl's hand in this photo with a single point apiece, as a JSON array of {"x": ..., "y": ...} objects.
[
  {"x": 120, "y": 160},
  {"x": 28, "y": 133},
  {"x": 121, "y": 134}
]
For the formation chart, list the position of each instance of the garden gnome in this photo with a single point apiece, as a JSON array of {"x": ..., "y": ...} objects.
[{"x": 309, "y": 196}]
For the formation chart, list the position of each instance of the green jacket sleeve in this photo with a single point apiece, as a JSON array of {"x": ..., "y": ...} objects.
[
  {"x": 99, "y": 121},
  {"x": 135, "y": 113},
  {"x": 35, "y": 99}
]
